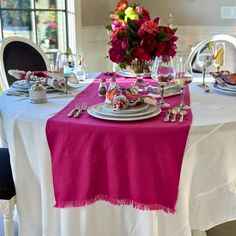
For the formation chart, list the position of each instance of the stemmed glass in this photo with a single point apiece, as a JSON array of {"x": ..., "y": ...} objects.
[
  {"x": 183, "y": 77},
  {"x": 64, "y": 66},
  {"x": 204, "y": 60},
  {"x": 219, "y": 57},
  {"x": 163, "y": 73}
]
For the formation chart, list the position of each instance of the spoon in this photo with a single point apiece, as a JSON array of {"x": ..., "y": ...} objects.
[
  {"x": 174, "y": 111},
  {"x": 167, "y": 116},
  {"x": 182, "y": 114}
]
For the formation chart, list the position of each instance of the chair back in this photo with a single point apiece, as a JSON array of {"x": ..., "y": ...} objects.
[
  {"x": 230, "y": 52},
  {"x": 20, "y": 53}
]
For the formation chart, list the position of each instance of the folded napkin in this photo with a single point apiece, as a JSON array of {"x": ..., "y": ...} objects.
[{"x": 53, "y": 79}]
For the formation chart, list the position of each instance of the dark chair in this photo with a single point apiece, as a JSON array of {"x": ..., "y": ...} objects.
[
  {"x": 20, "y": 53},
  {"x": 7, "y": 192}
]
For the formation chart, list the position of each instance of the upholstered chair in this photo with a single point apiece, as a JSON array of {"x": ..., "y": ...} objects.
[{"x": 20, "y": 53}]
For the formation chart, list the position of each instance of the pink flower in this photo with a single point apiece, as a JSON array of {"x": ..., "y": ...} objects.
[
  {"x": 150, "y": 27},
  {"x": 124, "y": 44},
  {"x": 53, "y": 25},
  {"x": 113, "y": 16},
  {"x": 117, "y": 25},
  {"x": 142, "y": 12}
]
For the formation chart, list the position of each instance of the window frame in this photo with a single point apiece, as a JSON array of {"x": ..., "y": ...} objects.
[{"x": 33, "y": 10}]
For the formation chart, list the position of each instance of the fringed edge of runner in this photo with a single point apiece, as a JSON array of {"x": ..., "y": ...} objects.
[{"x": 137, "y": 205}]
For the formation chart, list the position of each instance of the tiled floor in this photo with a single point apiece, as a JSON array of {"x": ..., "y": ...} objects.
[{"x": 226, "y": 229}]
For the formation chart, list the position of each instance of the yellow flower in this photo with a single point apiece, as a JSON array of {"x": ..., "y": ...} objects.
[{"x": 130, "y": 13}]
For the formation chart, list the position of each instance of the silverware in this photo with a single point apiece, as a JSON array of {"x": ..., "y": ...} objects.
[
  {"x": 76, "y": 108},
  {"x": 167, "y": 115},
  {"x": 83, "y": 108},
  {"x": 174, "y": 111},
  {"x": 182, "y": 114}
]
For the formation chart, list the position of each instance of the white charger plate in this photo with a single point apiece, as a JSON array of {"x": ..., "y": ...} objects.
[
  {"x": 224, "y": 90},
  {"x": 93, "y": 113},
  {"x": 102, "y": 110}
]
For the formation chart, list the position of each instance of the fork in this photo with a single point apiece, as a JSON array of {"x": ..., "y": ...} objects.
[
  {"x": 83, "y": 108},
  {"x": 76, "y": 108}
]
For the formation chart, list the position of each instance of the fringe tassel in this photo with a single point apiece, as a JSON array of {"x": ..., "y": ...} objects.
[{"x": 140, "y": 206}]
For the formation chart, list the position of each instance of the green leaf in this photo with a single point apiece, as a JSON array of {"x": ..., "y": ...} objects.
[
  {"x": 162, "y": 35},
  {"x": 174, "y": 30},
  {"x": 123, "y": 65},
  {"x": 108, "y": 27},
  {"x": 131, "y": 24}
]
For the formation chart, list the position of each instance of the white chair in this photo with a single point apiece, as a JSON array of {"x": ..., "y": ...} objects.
[
  {"x": 7, "y": 192},
  {"x": 20, "y": 53},
  {"x": 230, "y": 52}
]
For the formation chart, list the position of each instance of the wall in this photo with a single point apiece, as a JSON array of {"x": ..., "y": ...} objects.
[{"x": 196, "y": 20}]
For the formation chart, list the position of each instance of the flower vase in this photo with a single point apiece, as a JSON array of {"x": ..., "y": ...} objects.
[{"x": 139, "y": 69}]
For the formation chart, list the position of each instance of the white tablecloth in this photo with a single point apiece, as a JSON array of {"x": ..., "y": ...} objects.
[{"x": 207, "y": 191}]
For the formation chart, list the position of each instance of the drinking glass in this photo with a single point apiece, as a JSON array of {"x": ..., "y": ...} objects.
[
  {"x": 219, "y": 55},
  {"x": 204, "y": 60},
  {"x": 183, "y": 77},
  {"x": 163, "y": 73}
]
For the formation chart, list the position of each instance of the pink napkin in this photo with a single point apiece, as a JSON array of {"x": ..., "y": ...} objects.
[{"x": 135, "y": 163}]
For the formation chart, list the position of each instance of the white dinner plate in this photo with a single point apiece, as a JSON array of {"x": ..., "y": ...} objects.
[
  {"x": 22, "y": 86},
  {"x": 102, "y": 110},
  {"x": 130, "y": 110},
  {"x": 224, "y": 90},
  {"x": 230, "y": 86},
  {"x": 126, "y": 73},
  {"x": 93, "y": 113}
]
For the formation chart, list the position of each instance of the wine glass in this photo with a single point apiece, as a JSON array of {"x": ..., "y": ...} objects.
[
  {"x": 204, "y": 60},
  {"x": 219, "y": 55},
  {"x": 163, "y": 73},
  {"x": 63, "y": 64},
  {"x": 183, "y": 77}
]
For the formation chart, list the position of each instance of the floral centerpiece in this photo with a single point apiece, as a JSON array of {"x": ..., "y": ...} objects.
[{"x": 136, "y": 37}]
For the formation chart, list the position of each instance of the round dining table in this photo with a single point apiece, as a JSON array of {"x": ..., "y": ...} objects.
[{"x": 207, "y": 188}]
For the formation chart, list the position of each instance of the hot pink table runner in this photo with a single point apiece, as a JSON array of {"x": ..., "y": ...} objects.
[{"x": 136, "y": 163}]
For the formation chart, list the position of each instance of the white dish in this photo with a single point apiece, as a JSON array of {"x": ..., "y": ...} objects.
[
  {"x": 93, "y": 113},
  {"x": 130, "y": 110},
  {"x": 102, "y": 110},
  {"x": 224, "y": 89},
  {"x": 126, "y": 73},
  {"x": 22, "y": 86},
  {"x": 231, "y": 87},
  {"x": 169, "y": 90}
]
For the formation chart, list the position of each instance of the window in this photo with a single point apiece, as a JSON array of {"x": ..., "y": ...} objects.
[{"x": 45, "y": 22}]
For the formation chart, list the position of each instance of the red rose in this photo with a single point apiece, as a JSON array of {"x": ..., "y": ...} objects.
[
  {"x": 140, "y": 54},
  {"x": 116, "y": 54},
  {"x": 148, "y": 43},
  {"x": 122, "y": 5},
  {"x": 161, "y": 46}
]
